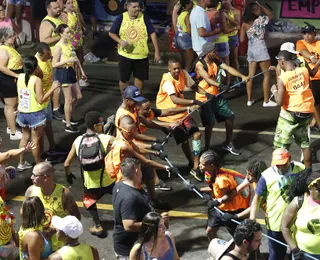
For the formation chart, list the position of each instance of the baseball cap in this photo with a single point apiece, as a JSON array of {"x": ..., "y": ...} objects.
[
  {"x": 280, "y": 157},
  {"x": 289, "y": 46},
  {"x": 218, "y": 247},
  {"x": 206, "y": 48},
  {"x": 70, "y": 225},
  {"x": 132, "y": 92},
  {"x": 284, "y": 55},
  {"x": 309, "y": 28}
]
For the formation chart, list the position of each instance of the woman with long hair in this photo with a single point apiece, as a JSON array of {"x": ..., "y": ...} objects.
[
  {"x": 65, "y": 59},
  {"x": 254, "y": 27},
  {"x": 32, "y": 242},
  {"x": 10, "y": 68},
  {"x": 154, "y": 241},
  {"x": 31, "y": 115}
]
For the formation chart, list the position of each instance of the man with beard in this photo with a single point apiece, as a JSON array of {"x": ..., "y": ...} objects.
[{"x": 273, "y": 186}]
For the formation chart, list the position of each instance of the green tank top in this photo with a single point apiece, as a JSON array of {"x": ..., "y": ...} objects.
[
  {"x": 181, "y": 25},
  {"x": 82, "y": 251}
]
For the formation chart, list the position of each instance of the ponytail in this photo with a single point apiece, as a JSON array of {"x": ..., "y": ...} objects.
[{"x": 30, "y": 63}]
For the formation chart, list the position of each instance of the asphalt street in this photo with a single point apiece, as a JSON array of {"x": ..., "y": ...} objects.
[{"x": 254, "y": 128}]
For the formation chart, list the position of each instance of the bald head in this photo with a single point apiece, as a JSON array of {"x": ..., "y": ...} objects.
[
  {"x": 126, "y": 122},
  {"x": 44, "y": 168}
]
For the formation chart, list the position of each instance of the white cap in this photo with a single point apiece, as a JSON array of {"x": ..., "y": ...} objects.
[
  {"x": 289, "y": 46},
  {"x": 70, "y": 225},
  {"x": 218, "y": 248}
]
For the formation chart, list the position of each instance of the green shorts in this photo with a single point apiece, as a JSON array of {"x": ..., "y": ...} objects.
[
  {"x": 289, "y": 127},
  {"x": 216, "y": 109}
]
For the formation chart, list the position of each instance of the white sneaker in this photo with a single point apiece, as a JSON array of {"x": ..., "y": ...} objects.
[
  {"x": 1, "y": 105},
  {"x": 8, "y": 131},
  {"x": 24, "y": 166},
  {"x": 270, "y": 104},
  {"x": 83, "y": 83},
  {"x": 250, "y": 103},
  {"x": 16, "y": 136}
]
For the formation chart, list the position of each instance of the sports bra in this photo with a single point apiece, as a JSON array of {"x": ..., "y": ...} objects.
[{"x": 47, "y": 250}]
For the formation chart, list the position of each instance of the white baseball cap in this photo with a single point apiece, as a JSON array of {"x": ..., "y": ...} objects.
[
  {"x": 218, "y": 248},
  {"x": 289, "y": 46},
  {"x": 70, "y": 225}
]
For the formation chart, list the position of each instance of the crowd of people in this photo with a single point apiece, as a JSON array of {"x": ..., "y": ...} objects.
[{"x": 117, "y": 156}]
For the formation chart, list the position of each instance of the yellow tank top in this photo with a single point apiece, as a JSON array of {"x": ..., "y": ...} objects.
[
  {"x": 231, "y": 15},
  {"x": 308, "y": 228},
  {"x": 46, "y": 68},
  {"x": 27, "y": 95},
  {"x": 134, "y": 31},
  {"x": 66, "y": 50},
  {"x": 53, "y": 207},
  {"x": 22, "y": 233},
  {"x": 56, "y": 22},
  {"x": 81, "y": 251},
  {"x": 181, "y": 25},
  {"x": 15, "y": 59}
]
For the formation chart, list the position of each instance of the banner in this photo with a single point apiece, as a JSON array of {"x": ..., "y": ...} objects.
[{"x": 300, "y": 9}]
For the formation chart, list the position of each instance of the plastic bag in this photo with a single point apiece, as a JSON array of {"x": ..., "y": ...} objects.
[{"x": 90, "y": 57}]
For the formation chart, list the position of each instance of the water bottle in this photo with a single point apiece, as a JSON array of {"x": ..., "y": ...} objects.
[{"x": 73, "y": 53}]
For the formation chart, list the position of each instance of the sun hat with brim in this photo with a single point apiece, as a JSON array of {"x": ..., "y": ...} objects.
[
  {"x": 206, "y": 48},
  {"x": 289, "y": 46},
  {"x": 132, "y": 92},
  {"x": 218, "y": 248},
  {"x": 280, "y": 158},
  {"x": 70, "y": 225}
]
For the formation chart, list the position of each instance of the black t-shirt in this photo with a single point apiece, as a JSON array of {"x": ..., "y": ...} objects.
[{"x": 128, "y": 203}]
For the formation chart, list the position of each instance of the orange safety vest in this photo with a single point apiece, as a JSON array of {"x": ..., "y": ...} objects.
[
  {"x": 298, "y": 96},
  {"x": 121, "y": 112},
  {"x": 314, "y": 50},
  {"x": 212, "y": 72},
  {"x": 142, "y": 127},
  {"x": 163, "y": 99}
]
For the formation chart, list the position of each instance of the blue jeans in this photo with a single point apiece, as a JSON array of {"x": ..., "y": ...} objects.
[
  {"x": 183, "y": 41},
  {"x": 276, "y": 251}
]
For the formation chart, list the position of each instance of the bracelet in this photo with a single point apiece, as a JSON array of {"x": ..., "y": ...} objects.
[{"x": 188, "y": 109}]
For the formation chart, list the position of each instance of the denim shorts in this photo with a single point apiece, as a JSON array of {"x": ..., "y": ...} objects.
[
  {"x": 48, "y": 111},
  {"x": 66, "y": 76},
  {"x": 257, "y": 51},
  {"x": 15, "y": 2},
  {"x": 234, "y": 41},
  {"x": 183, "y": 41},
  {"x": 222, "y": 49},
  {"x": 31, "y": 120}
]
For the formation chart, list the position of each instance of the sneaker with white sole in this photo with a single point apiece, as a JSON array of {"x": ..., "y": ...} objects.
[
  {"x": 270, "y": 104},
  {"x": 197, "y": 174},
  {"x": 162, "y": 186},
  {"x": 250, "y": 103},
  {"x": 72, "y": 121},
  {"x": 230, "y": 148},
  {"x": 16, "y": 136},
  {"x": 8, "y": 130},
  {"x": 72, "y": 129},
  {"x": 24, "y": 166},
  {"x": 83, "y": 83}
]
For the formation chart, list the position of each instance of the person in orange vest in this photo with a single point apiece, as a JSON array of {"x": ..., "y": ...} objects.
[
  {"x": 223, "y": 189},
  {"x": 294, "y": 95}
]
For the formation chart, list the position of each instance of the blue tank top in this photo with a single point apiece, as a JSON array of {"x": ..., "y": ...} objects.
[
  {"x": 47, "y": 250},
  {"x": 169, "y": 255}
]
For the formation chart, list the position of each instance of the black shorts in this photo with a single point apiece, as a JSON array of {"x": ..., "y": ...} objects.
[
  {"x": 139, "y": 68},
  {"x": 315, "y": 87},
  {"x": 38, "y": 9},
  {"x": 8, "y": 85},
  {"x": 183, "y": 132},
  {"x": 87, "y": 7},
  {"x": 216, "y": 109},
  {"x": 66, "y": 76},
  {"x": 215, "y": 220}
]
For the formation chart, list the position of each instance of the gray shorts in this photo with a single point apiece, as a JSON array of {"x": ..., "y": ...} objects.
[{"x": 257, "y": 51}]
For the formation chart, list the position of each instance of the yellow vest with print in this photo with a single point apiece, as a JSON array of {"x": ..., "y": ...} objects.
[
  {"x": 308, "y": 228},
  {"x": 56, "y": 22},
  {"x": 27, "y": 95},
  {"x": 231, "y": 15},
  {"x": 15, "y": 59},
  {"x": 22, "y": 232},
  {"x": 134, "y": 31},
  {"x": 92, "y": 178},
  {"x": 81, "y": 251},
  {"x": 66, "y": 50},
  {"x": 314, "y": 51},
  {"x": 276, "y": 199},
  {"x": 46, "y": 68},
  {"x": 181, "y": 25},
  {"x": 53, "y": 206}
]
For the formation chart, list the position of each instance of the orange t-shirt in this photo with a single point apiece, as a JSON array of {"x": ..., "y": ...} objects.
[
  {"x": 225, "y": 179},
  {"x": 298, "y": 96},
  {"x": 121, "y": 112},
  {"x": 314, "y": 50}
]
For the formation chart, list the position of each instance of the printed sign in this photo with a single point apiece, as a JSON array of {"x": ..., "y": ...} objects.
[{"x": 300, "y": 9}]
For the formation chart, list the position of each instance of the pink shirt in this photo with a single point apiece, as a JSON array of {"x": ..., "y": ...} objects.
[{"x": 6, "y": 23}]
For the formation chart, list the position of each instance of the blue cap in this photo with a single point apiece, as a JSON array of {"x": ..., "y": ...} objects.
[{"x": 132, "y": 92}]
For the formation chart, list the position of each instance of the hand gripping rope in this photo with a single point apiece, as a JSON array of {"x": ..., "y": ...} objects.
[{"x": 222, "y": 92}]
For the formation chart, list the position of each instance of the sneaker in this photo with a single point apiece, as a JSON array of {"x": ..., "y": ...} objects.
[
  {"x": 56, "y": 152},
  {"x": 158, "y": 204},
  {"x": 8, "y": 131},
  {"x": 72, "y": 121},
  {"x": 16, "y": 136},
  {"x": 24, "y": 166},
  {"x": 230, "y": 148},
  {"x": 1, "y": 105},
  {"x": 56, "y": 114},
  {"x": 96, "y": 230},
  {"x": 270, "y": 104},
  {"x": 250, "y": 103},
  {"x": 72, "y": 129},
  {"x": 197, "y": 174},
  {"x": 83, "y": 83},
  {"x": 162, "y": 186}
]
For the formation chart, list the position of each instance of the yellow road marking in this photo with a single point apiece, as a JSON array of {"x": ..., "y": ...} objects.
[{"x": 172, "y": 213}]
